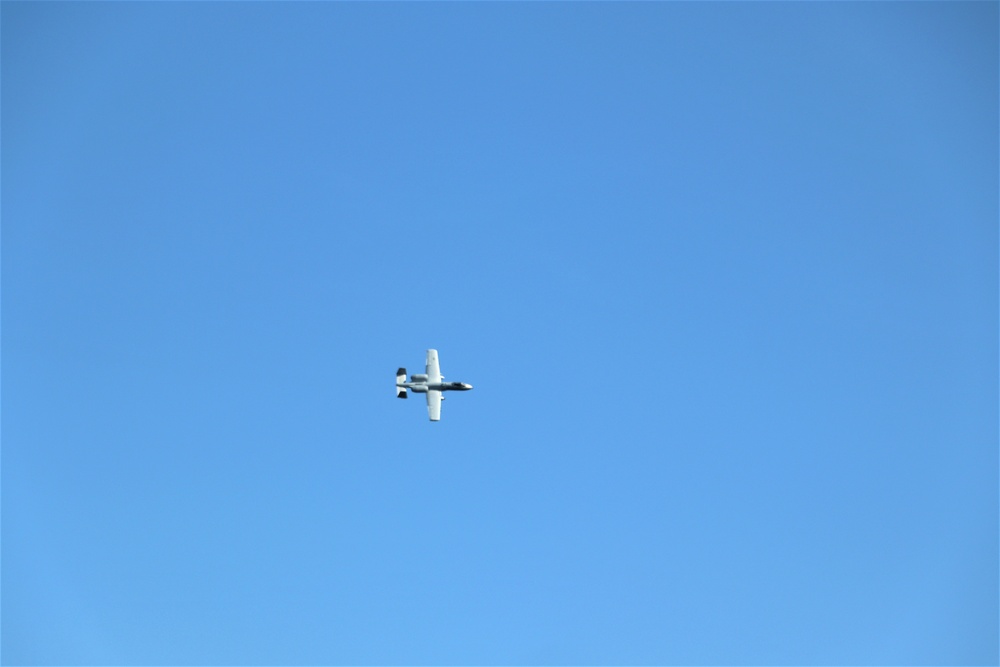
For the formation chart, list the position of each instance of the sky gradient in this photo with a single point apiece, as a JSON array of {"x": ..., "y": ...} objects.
[{"x": 724, "y": 277}]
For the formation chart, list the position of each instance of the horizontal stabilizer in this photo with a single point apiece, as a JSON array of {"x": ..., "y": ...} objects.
[{"x": 400, "y": 379}]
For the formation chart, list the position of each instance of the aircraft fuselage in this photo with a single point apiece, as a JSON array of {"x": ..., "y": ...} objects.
[{"x": 422, "y": 387}]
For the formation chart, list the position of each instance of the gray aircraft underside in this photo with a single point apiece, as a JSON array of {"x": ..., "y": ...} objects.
[{"x": 430, "y": 383}]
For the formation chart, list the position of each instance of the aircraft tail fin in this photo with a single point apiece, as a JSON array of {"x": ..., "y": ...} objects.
[{"x": 400, "y": 379}]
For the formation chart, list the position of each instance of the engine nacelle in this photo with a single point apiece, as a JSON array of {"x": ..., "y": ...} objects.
[
  {"x": 418, "y": 378},
  {"x": 418, "y": 390}
]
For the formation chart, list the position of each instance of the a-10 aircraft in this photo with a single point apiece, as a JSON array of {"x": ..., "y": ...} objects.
[{"x": 431, "y": 383}]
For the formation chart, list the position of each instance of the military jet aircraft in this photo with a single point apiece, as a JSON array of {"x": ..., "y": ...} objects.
[{"x": 431, "y": 383}]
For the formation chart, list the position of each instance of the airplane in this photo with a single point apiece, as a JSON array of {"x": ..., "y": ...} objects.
[{"x": 431, "y": 383}]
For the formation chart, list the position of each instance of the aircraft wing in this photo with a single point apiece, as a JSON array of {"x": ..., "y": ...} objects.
[
  {"x": 433, "y": 368},
  {"x": 434, "y": 404}
]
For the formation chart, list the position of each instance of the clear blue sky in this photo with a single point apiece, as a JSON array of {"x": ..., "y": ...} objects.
[{"x": 724, "y": 277}]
